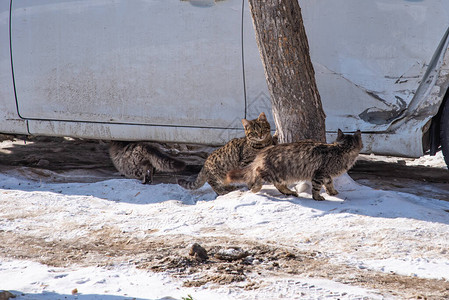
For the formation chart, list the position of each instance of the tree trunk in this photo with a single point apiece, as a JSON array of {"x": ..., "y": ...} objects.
[{"x": 284, "y": 49}]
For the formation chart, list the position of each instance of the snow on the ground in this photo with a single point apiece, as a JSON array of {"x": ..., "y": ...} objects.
[
  {"x": 436, "y": 161},
  {"x": 368, "y": 229},
  {"x": 33, "y": 281}
]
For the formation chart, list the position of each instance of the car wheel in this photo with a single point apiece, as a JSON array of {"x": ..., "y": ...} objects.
[{"x": 444, "y": 131}]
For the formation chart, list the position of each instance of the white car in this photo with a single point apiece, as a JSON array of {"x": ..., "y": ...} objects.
[{"x": 189, "y": 71}]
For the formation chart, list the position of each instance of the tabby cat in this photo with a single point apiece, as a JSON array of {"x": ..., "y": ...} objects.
[
  {"x": 237, "y": 153},
  {"x": 288, "y": 163},
  {"x": 138, "y": 160}
]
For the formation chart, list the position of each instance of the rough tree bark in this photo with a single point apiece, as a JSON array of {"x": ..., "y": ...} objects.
[{"x": 284, "y": 49}]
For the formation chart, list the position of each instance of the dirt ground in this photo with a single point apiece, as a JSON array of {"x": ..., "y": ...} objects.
[
  {"x": 74, "y": 160},
  {"x": 236, "y": 261},
  {"x": 56, "y": 159},
  {"x": 241, "y": 261}
]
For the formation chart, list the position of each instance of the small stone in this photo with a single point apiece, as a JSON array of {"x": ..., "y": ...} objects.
[
  {"x": 43, "y": 163},
  {"x": 5, "y": 295},
  {"x": 198, "y": 252},
  {"x": 231, "y": 254},
  {"x": 402, "y": 162},
  {"x": 248, "y": 260}
]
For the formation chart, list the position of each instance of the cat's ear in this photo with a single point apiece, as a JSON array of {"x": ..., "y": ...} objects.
[
  {"x": 245, "y": 123},
  {"x": 340, "y": 134},
  {"x": 358, "y": 134},
  {"x": 262, "y": 117}
]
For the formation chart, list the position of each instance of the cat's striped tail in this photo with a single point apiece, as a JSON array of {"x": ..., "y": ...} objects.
[{"x": 193, "y": 185}]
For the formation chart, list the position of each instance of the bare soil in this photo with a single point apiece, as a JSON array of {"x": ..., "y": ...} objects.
[
  {"x": 75, "y": 160},
  {"x": 419, "y": 180}
]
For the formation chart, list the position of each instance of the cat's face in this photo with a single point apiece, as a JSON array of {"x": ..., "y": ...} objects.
[
  {"x": 354, "y": 140},
  {"x": 258, "y": 129}
]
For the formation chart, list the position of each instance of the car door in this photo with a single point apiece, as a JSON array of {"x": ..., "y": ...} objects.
[{"x": 154, "y": 62}]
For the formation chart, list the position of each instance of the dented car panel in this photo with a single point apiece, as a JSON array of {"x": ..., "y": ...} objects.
[
  {"x": 190, "y": 70},
  {"x": 381, "y": 67},
  {"x": 373, "y": 56}
]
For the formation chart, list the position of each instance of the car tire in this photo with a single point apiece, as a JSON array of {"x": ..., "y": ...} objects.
[{"x": 444, "y": 131}]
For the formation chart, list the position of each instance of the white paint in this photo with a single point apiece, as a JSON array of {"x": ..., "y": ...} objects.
[
  {"x": 9, "y": 121},
  {"x": 155, "y": 62}
]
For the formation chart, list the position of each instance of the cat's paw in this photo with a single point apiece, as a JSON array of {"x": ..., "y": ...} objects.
[
  {"x": 256, "y": 188},
  {"x": 318, "y": 197},
  {"x": 148, "y": 177},
  {"x": 332, "y": 192},
  {"x": 291, "y": 193}
]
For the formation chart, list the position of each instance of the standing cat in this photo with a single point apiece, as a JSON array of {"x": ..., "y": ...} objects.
[
  {"x": 306, "y": 160},
  {"x": 238, "y": 152},
  {"x": 139, "y": 160}
]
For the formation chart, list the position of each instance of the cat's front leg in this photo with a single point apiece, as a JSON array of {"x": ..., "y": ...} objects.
[
  {"x": 329, "y": 186},
  {"x": 220, "y": 188},
  {"x": 316, "y": 195},
  {"x": 317, "y": 183},
  {"x": 285, "y": 190},
  {"x": 148, "y": 176},
  {"x": 256, "y": 185}
]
